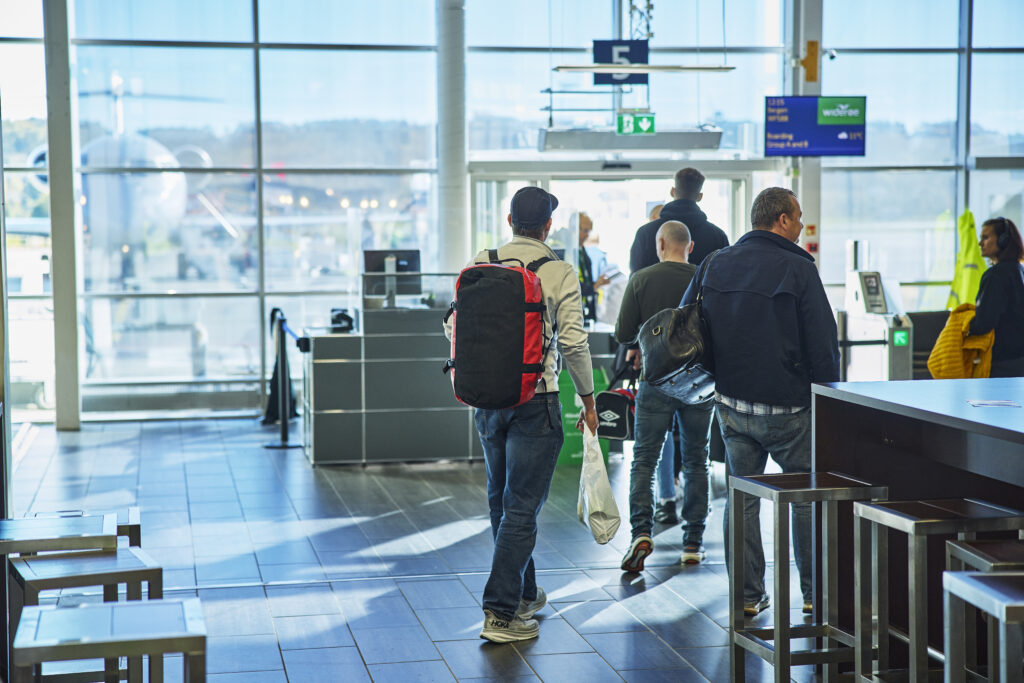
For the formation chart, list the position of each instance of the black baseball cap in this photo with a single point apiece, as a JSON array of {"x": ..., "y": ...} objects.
[{"x": 532, "y": 205}]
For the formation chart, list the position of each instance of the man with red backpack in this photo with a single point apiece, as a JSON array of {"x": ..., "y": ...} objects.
[{"x": 521, "y": 442}]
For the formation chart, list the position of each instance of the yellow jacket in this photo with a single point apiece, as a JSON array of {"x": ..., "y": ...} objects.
[
  {"x": 970, "y": 266},
  {"x": 957, "y": 355}
]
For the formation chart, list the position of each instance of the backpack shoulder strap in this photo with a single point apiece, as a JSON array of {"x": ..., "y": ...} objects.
[
  {"x": 492, "y": 255},
  {"x": 534, "y": 266}
]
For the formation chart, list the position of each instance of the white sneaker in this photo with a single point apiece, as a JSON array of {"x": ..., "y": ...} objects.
[
  {"x": 528, "y": 609},
  {"x": 498, "y": 630}
]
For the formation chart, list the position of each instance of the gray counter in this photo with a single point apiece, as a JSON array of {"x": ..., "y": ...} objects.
[{"x": 380, "y": 395}]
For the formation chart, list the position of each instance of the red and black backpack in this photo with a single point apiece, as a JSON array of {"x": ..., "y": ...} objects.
[{"x": 498, "y": 343}]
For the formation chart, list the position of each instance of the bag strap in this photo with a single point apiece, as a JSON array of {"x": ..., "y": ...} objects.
[
  {"x": 702, "y": 274},
  {"x": 492, "y": 257},
  {"x": 534, "y": 266},
  {"x": 619, "y": 375}
]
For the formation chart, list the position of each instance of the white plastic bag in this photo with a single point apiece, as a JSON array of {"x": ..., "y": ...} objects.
[{"x": 596, "y": 505}]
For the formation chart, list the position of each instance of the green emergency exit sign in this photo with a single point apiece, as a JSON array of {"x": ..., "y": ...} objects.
[
  {"x": 635, "y": 124},
  {"x": 900, "y": 338}
]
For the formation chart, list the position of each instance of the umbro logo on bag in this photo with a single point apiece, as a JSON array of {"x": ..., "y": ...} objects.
[{"x": 609, "y": 416}]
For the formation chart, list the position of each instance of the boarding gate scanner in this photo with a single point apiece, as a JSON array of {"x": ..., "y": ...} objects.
[{"x": 876, "y": 336}]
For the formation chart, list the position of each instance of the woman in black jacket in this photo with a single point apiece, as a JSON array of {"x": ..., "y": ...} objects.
[{"x": 1000, "y": 303}]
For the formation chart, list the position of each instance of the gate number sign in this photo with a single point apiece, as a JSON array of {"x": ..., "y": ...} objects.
[{"x": 620, "y": 52}]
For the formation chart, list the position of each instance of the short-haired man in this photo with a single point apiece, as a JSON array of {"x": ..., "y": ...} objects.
[
  {"x": 521, "y": 444},
  {"x": 649, "y": 291},
  {"x": 773, "y": 334},
  {"x": 707, "y": 237}
]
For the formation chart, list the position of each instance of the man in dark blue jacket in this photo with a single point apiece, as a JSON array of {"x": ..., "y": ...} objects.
[
  {"x": 706, "y": 236},
  {"x": 773, "y": 334}
]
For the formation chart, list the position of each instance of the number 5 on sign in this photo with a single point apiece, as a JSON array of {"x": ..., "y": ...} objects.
[
  {"x": 620, "y": 55},
  {"x": 620, "y": 52}
]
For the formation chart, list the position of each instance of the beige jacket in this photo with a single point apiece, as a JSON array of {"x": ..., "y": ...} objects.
[{"x": 563, "y": 305}]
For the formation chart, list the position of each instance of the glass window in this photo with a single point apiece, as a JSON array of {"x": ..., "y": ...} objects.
[
  {"x": 171, "y": 338},
  {"x": 881, "y": 23},
  {"x": 316, "y": 226},
  {"x": 24, "y": 102},
  {"x": 997, "y": 193},
  {"x": 157, "y": 94},
  {"x": 27, "y": 216},
  {"x": 748, "y": 23},
  {"x": 408, "y": 22},
  {"x": 997, "y": 105},
  {"x": 504, "y": 100},
  {"x": 732, "y": 101},
  {"x": 906, "y": 217},
  {"x": 538, "y": 23},
  {"x": 348, "y": 108},
  {"x": 21, "y": 19},
  {"x": 911, "y": 112},
  {"x": 158, "y": 232},
  {"x": 224, "y": 20},
  {"x": 31, "y": 352},
  {"x": 997, "y": 23}
]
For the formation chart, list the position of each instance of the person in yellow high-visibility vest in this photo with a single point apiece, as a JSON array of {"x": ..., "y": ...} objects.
[{"x": 969, "y": 264}]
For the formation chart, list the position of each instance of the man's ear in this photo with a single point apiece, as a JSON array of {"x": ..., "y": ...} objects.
[
  {"x": 509, "y": 220},
  {"x": 672, "y": 193},
  {"x": 547, "y": 229},
  {"x": 700, "y": 196},
  {"x": 690, "y": 250}
]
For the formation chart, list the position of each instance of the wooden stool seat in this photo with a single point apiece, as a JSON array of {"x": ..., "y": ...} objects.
[
  {"x": 111, "y": 630},
  {"x": 130, "y": 566},
  {"x": 918, "y": 519},
  {"x": 999, "y": 594}
]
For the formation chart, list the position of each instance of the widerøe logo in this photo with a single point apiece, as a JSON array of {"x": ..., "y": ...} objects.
[{"x": 841, "y": 110}]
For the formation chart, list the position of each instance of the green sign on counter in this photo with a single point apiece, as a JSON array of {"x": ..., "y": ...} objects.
[
  {"x": 572, "y": 446},
  {"x": 635, "y": 124},
  {"x": 900, "y": 337}
]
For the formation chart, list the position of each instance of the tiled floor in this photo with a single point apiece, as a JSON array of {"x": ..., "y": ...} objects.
[{"x": 352, "y": 573}]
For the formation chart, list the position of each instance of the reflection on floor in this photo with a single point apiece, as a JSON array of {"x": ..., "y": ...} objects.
[{"x": 376, "y": 573}]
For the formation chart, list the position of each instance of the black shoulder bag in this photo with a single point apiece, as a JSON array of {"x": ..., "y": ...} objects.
[{"x": 676, "y": 347}]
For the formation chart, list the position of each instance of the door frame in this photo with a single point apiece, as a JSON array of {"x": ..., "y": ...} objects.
[{"x": 542, "y": 172}]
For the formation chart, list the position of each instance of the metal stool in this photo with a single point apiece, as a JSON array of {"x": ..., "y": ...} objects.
[
  {"x": 983, "y": 556},
  {"x": 1000, "y": 594},
  {"x": 112, "y": 630},
  {"x": 784, "y": 489},
  {"x": 130, "y": 566},
  {"x": 918, "y": 519}
]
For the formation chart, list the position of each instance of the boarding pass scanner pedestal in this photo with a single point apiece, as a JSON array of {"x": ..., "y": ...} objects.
[{"x": 876, "y": 337}]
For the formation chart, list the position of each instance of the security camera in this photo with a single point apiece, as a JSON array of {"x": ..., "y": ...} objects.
[{"x": 831, "y": 54}]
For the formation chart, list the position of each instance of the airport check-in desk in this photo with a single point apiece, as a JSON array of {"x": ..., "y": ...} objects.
[{"x": 379, "y": 395}]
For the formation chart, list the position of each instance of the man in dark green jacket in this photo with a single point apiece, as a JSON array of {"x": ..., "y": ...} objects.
[{"x": 651, "y": 290}]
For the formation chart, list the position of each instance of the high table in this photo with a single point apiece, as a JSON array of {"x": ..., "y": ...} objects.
[{"x": 923, "y": 439}]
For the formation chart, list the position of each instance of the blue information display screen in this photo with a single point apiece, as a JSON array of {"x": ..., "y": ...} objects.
[{"x": 814, "y": 126}]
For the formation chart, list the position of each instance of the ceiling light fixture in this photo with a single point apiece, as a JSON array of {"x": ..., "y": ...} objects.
[{"x": 640, "y": 68}]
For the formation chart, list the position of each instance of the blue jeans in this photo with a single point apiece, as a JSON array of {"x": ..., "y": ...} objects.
[
  {"x": 654, "y": 412},
  {"x": 521, "y": 447},
  {"x": 665, "y": 474},
  {"x": 748, "y": 441}
]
